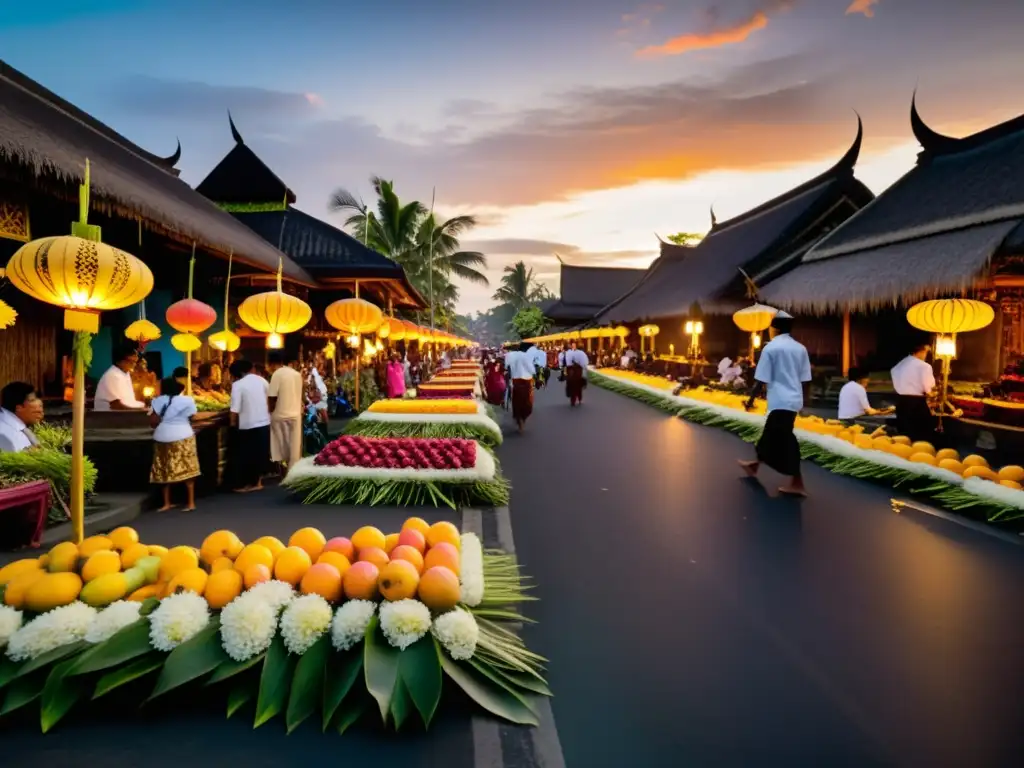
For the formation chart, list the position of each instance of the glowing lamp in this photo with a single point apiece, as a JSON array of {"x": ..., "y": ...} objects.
[
  {"x": 142, "y": 331},
  {"x": 379, "y": 346},
  {"x": 950, "y": 315},
  {"x": 190, "y": 316},
  {"x": 84, "y": 277},
  {"x": 649, "y": 330},
  {"x": 755, "y": 340},
  {"x": 7, "y": 315},
  {"x": 354, "y": 316},
  {"x": 186, "y": 342},
  {"x": 275, "y": 311},
  {"x": 945, "y": 347},
  {"x": 148, "y": 391},
  {"x": 396, "y": 330},
  {"x": 353, "y": 340},
  {"x": 275, "y": 341},
  {"x": 225, "y": 341},
  {"x": 757, "y": 317}
]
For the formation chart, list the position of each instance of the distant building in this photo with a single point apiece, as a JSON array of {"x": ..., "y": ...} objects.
[{"x": 585, "y": 291}]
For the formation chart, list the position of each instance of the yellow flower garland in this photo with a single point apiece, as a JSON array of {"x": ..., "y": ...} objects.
[{"x": 424, "y": 406}]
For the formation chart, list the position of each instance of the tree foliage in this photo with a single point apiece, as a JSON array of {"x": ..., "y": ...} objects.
[
  {"x": 685, "y": 238},
  {"x": 529, "y": 322}
]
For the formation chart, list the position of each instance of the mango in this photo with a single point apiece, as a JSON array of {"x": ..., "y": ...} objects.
[
  {"x": 105, "y": 590},
  {"x": 63, "y": 557},
  {"x": 188, "y": 580},
  {"x": 17, "y": 568},
  {"x": 94, "y": 544},
  {"x": 99, "y": 563},
  {"x": 15, "y": 589},
  {"x": 52, "y": 591},
  {"x": 134, "y": 579},
  {"x": 150, "y": 565},
  {"x": 146, "y": 592}
]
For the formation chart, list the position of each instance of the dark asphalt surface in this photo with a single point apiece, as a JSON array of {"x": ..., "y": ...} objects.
[{"x": 692, "y": 619}]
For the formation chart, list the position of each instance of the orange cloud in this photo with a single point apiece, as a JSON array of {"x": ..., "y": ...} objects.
[
  {"x": 862, "y": 6},
  {"x": 715, "y": 39}
]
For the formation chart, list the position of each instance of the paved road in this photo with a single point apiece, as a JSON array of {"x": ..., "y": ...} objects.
[{"x": 692, "y": 619}]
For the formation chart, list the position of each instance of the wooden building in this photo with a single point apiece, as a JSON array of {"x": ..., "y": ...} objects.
[
  {"x": 585, "y": 291},
  {"x": 952, "y": 226},
  {"x": 708, "y": 279},
  {"x": 142, "y": 206}
]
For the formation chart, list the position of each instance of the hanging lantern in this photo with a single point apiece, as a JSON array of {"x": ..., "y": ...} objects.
[
  {"x": 621, "y": 331},
  {"x": 186, "y": 342},
  {"x": 275, "y": 311},
  {"x": 85, "y": 277},
  {"x": 7, "y": 315},
  {"x": 354, "y": 316},
  {"x": 649, "y": 330},
  {"x": 396, "y": 329},
  {"x": 225, "y": 341},
  {"x": 330, "y": 350},
  {"x": 142, "y": 331},
  {"x": 190, "y": 316},
  {"x": 275, "y": 341},
  {"x": 950, "y": 315},
  {"x": 754, "y": 318}
]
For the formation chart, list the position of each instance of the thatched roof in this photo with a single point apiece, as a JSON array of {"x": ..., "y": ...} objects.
[
  {"x": 763, "y": 238},
  {"x": 585, "y": 291},
  {"x": 45, "y": 141},
  {"x": 327, "y": 252},
  {"x": 932, "y": 233},
  {"x": 242, "y": 178}
]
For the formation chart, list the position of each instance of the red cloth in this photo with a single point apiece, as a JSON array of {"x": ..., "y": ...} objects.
[
  {"x": 574, "y": 384},
  {"x": 23, "y": 511},
  {"x": 494, "y": 386},
  {"x": 522, "y": 399}
]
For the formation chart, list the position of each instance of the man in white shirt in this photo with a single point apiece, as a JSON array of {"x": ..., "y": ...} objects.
[
  {"x": 785, "y": 370},
  {"x": 286, "y": 393},
  {"x": 853, "y": 397},
  {"x": 576, "y": 363},
  {"x": 913, "y": 379},
  {"x": 522, "y": 370},
  {"x": 250, "y": 415},
  {"x": 446, "y": 361},
  {"x": 115, "y": 391},
  {"x": 20, "y": 410},
  {"x": 539, "y": 358}
]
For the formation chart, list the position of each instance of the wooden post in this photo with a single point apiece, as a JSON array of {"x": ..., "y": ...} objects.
[
  {"x": 78, "y": 452},
  {"x": 846, "y": 343}
]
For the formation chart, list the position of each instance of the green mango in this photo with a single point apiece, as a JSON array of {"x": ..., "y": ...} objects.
[{"x": 150, "y": 566}]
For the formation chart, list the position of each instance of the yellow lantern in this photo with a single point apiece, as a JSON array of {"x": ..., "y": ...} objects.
[
  {"x": 754, "y": 318},
  {"x": 186, "y": 342},
  {"x": 649, "y": 330},
  {"x": 396, "y": 329},
  {"x": 354, "y": 316},
  {"x": 225, "y": 341},
  {"x": 85, "y": 277},
  {"x": 142, "y": 331},
  {"x": 7, "y": 315},
  {"x": 275, "y": 311},
  {"x": 950, "y": 315}
]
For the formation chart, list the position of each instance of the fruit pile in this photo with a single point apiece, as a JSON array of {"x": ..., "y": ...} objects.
[
  {"x": 658, "y": 382},
  {"x": 439, "y": 406},
  {"x": 398, "y": 453}
]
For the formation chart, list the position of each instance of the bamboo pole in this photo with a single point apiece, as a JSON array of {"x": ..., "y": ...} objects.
[
  {"x": 846, "y": 343},
  {"x": 78, "y": 450}
]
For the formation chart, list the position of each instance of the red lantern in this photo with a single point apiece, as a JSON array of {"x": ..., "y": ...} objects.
[{"x": 191, "y": 316}]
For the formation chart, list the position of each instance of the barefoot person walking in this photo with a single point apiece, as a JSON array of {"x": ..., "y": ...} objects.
[
  {"x": 522, "y": 370},
  {"x": 785, "y": 369}
]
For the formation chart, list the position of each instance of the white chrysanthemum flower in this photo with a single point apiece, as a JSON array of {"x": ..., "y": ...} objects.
[
  {"x": 247, "y": 626},
  {"x": 178, "y": 618},
  {"x": 277, "y": 594},
  {"x": 61, "y": 626},
  {"x": 458, "y": 632},
  {"x": 350, "y": 622},
  {"x": 471, "y": 570},
  {"x": 112, "y": 620},
  {"x": 303, "y": 622},
  {"x": 404, "y": 622},
  {"x": 10, "y": 622}
]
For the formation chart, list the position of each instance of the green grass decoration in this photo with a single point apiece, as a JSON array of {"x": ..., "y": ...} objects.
[
  {"x": 468, "y": 431},
  {"x": 947, "y": 495},
  {"x": 402, "y": 493}
]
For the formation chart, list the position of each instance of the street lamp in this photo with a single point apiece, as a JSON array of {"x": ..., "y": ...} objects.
[{"x": 694, "y": 328}]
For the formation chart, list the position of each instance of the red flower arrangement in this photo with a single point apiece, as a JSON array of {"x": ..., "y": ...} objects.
[{"x": 398, "y": 453}]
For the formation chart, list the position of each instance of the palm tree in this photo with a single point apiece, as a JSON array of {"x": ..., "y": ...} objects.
[{"x": 519, "y": 288}]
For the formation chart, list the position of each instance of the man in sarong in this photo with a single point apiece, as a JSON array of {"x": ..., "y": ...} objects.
[
  {"x": 576, "y": 362},
  {"x": 785, "y": 370},
  {"x": 521, "y": 369},
  {"x": 914, "y": 381}
]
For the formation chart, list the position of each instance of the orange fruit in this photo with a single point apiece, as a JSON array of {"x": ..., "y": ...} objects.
[
  {"x": 342, "y": 546},
  {"x": 975, "y": 461},
  {"x": 123, "y": 537},
  {"x": 901, "y": 449},
  {"x": 222, "y": 564},
  {"x": 256, "y": 574},
  {"x": 1012, "y": 484},
  {"x": 398, "y": 580},
  {"x": 222, "y": 587},
  {"x": 274, "y": 544},
  {"x": 410, "y": 537},
  {"x": 374, "y": 555},
  {"x": 409, "y": 554},
  {"x": 322, "y": 579},
  {"x": 157, "y": 550},
  {"x": 188, "y": 580},
  {"x": 220, "y": 544},
  {"x": 390, "y": 542},
  {"x": 292, "y": 565},
  {"x": 131, "y": 555},
  {"x": 94, "y": 544},
  {"x": 976, "y": 470},
  {"x": 923, "y": 446},
  {"x": 360, "y": 581},
  {"x": 443, "y": 554},
  {"x": 176, "y": 560},
  {"x": 1010, "y": 472},
  {"x": 14, "y": 592},
  {"x": 947, "y": 453},
  {"x": 336, "y": 559},
  {"x": 146, "y": 592},
  {"x": 309, "y": 539},
  {"x": 99, "y": 563},
  {"x": 417, "y": 524},
  {"x": 444, "y": 532},
  {"x": 367, "y": 537},
  {"x": 902, "y": 440},
  {"x": 952, "y": 465},
  {"x": 254, "y": 554},
  {"x": 439, "y": 589},
  {"x": 923, "y": 458}
]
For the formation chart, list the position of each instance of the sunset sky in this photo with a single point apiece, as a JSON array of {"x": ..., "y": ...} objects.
[{"x": 581, "y": 128}]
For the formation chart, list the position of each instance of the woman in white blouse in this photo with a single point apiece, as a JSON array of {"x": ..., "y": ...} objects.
[{"x": 175, "y": 459}]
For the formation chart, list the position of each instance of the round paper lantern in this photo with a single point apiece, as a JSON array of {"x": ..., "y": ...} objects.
[
  {"x": 186, "y": 342},
  {"x": 354, "y": 316},
  {"x": 621, "y": 331},
  {"x": 7, "y": 315},
  {"x": 649, "y": 330},
  {"x": 225, "y": 341},
  {"x": 142, "y": 331},
  {"x": 392, "y": 328},
  {"x": 190, "y": 316},
  {"x": 950, "y": 315},
  {"x": 82, "y": 276},
  {"x": 275, "y": 311},
  {"x": 754, "y": 318}
]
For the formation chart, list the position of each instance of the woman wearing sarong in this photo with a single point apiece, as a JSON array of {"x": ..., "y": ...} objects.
[
  {"x": 522, "y": 371},
  {"x": 575, "y": 374},
  {"x": 175, "y": 459},
  {"x": 494, "y": 384}
]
